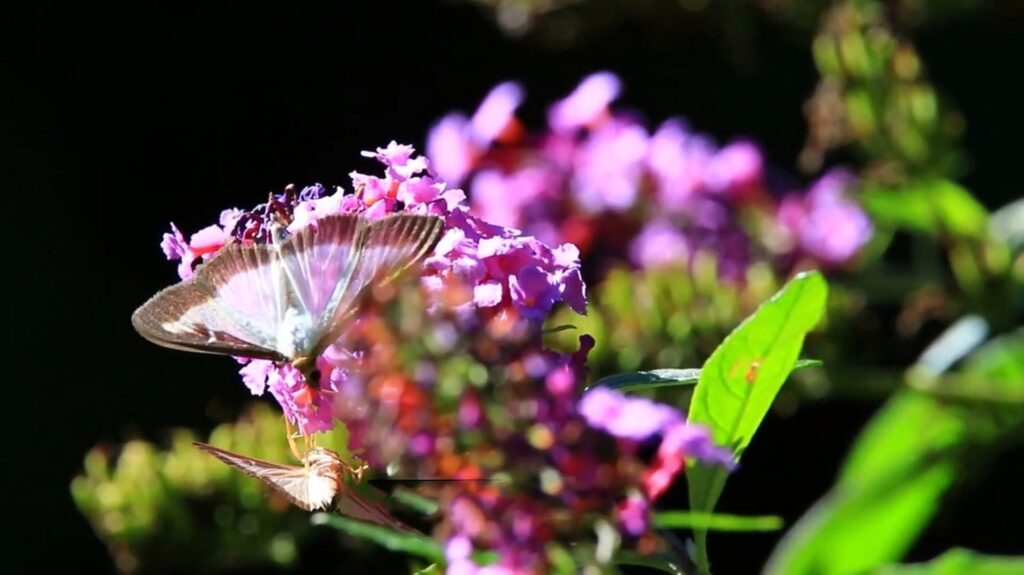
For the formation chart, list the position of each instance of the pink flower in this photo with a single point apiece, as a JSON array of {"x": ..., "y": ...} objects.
[
  {"x": 609, "y": 167},
  {"x": 309, "y": 408},
  {"x": 203, "y": 244},
  {"x": 633, "y": 515},
  {"x": 828, "y": 226},
  {"x": 678, "y": 160},
  {"x": 495, "y": 113},
  {"x": 736, "y": 171},
  {"x": 587, "y": 104},
  {"x": 658, "y": 244},
  {"x": 451, "y": 149}
]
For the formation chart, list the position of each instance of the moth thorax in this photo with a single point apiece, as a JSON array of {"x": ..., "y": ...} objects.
[
  {"x": 324, "y": 468},
  {"x": 295, "y": 334}
]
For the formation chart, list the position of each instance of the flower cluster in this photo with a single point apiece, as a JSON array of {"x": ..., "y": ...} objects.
[
  {"x": 486, "y": 401},
  {"x": 505, "y": 271},
  {"x": 597, "y": 177}
]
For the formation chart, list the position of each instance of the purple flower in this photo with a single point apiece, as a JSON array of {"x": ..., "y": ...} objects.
[
  {"x": 829, "y": 227},
  {"x": 513, "y": 200},
  {"x": 454, "y": 143},
  {"x": 450, "y": 148},
  {"x": 495, "y": 113},
  {"x": 203, "y": 243},
  {"x": 735, "y": 171},
  {"x": 638, "y": 419},
  {"x": 626, "y": 417},
  {"x": 659, "y": 244},
  {"x": 678, "y": 161},
  {"x": 633, "y": 515},
  {"x": 609, "y": 167},
  {"x": 503, "y": 268},
  {"x": 587, "y": 104}
]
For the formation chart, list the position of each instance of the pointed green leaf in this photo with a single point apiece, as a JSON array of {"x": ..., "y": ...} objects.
[
  {"x": 903, "y": 463},
  {"x": 716, "y": 521},
  {"x": 931, "y": 206},
  {"x": 742, "y": 377},
  {"x": 419, "y": 545},
  {"x": 959, "y": 562},
  {"x": 655, "y": 378},
  {"x": 638, "y": 380},
  {"x": 658, "y": 562}
]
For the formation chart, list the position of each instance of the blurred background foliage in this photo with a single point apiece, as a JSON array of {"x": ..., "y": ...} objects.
[{"x": 938, "y": 261}]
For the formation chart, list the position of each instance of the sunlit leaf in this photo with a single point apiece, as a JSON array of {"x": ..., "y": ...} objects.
[
  {"x": 419, "y": 545},
  {"x": 658, "y": 562},
  {"x": 716, "y": 521},
  {"x": 420, "y": 503},
  {"x": 638, "y": 380},
  {"x": 742, "y": 377},
  {"x": 958, "y": 562},
  {"x": 903, "y": 463},
  {"x": 651, "y": 379},
  {"x": 934, "y": 206}
]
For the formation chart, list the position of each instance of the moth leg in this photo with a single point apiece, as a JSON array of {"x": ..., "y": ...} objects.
[{"x": 290, "y": 434}]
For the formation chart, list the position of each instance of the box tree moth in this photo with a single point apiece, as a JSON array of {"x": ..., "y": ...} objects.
[
  {"x": 318, "y": 484},
  {"x": 288, "y": 300}
]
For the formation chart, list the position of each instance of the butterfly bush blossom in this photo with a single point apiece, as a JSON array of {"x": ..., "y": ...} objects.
[
  {"x": 483, "y": 399},
  {"x": 599, "y": 178},
  {"x": 506, "y": 271}
]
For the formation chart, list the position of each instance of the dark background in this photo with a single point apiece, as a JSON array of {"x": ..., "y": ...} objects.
[{"x": 120, "y": 118}]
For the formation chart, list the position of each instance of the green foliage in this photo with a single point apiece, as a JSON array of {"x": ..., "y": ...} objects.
[
  {"x": 649, "y": 319},
  {"x": 716, "y": 521},
  {"x": 741, "y": 379},
  {"x": 957, "y": 562},
  {"x": 927, "y": 206},
  {"x": 910, "y": 454},
  {"x": 655, "y": 378},
  {"x": 414, "y": 544},
  {"x": 874, "y": 96}
]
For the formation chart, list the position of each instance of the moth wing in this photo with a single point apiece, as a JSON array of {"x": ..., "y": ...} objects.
[
  {"x": 385, "y": 248},
  {"x": 353, "y": 505},
  {"x": 320, "y": 261},
  {"x": 292, "y": 481},
  {"x": 249, "y": 287},
  {"x": 185, "y": 316}
]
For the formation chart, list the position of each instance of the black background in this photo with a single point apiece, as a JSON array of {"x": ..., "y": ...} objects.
[{"x": 118, "y": 118}]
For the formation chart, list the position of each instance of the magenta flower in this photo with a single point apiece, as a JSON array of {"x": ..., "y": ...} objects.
[
  {"x": 678, "y": 160},
  {"x": 586, "y": 105},
  {"x": 505, "y": 269},
  {"x": 609, "y": 167},
  {"x": 308, "y": 408},
  {"x": 659, "y": 244},
  {"x": 638, "y": 419},
  {"x": 736, "y": 171},
  {"x": 828, "y": 226},
  {"x": 495, "y": 113},
  {"x": 455, "y": 142}
]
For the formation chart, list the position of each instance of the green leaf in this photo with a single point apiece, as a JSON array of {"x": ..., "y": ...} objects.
[
  {"x": 659, "y": 562},
  {"x": 742, "y": 377},
  {"x": 903, "y": 463},
  {"x": 419, "y": 545},
  {"x": 651, "y": 379},
  {"x": 638, "y": 380},
  {"x": 716, "y": 521},
  {"x": 888, "y": 491},
  {"x": 957, "y": 562},
  {"x": 931, "y": 206},
  {"x": 558, "y": 329},
  {"x": 420, "y": 503}
]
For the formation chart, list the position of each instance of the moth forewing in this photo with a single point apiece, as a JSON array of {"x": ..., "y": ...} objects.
[{"x": 311, "y": 486}]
